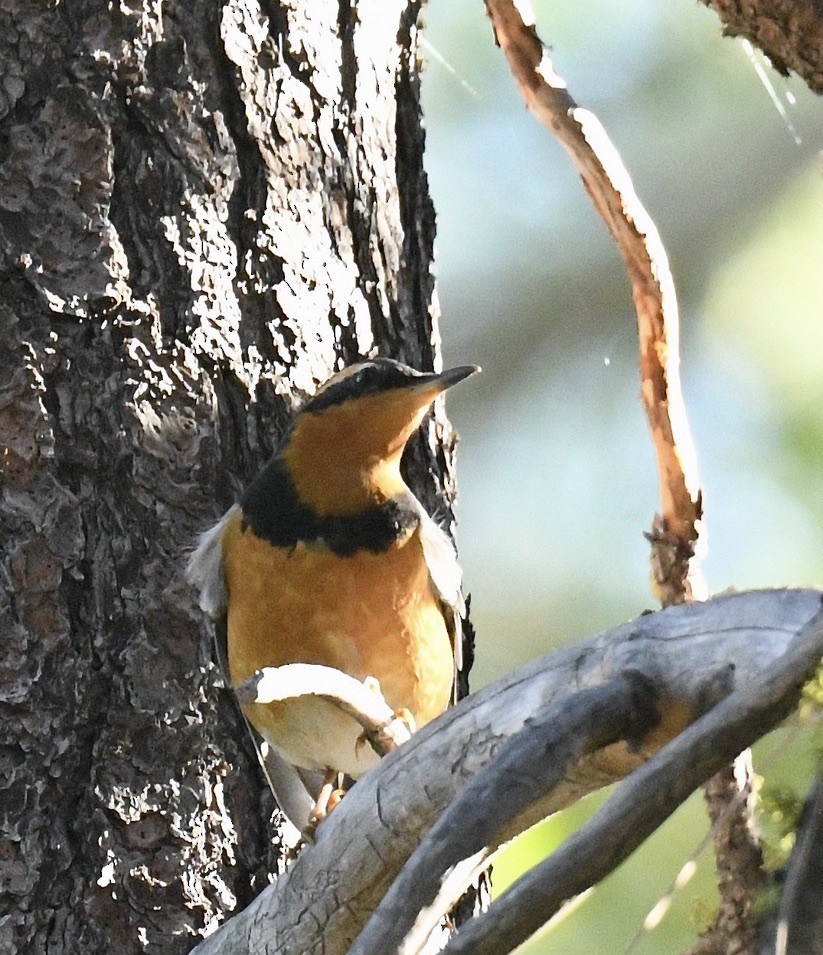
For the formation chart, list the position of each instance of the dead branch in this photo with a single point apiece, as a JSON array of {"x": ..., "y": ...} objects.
[
  {"x": 645, "y": 800},
  {"x": 535, "y": 760},
  {"x": 693, "y": 655},
  {"x": 675, "y": 531},
  {"x": 608, "y": 183},
  {"x": 363, "y": 701}
]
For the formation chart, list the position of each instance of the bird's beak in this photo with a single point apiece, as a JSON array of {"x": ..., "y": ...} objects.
[{"x": 436, "y": 383}]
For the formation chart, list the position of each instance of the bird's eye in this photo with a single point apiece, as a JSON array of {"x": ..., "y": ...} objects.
[{"x": 364, "y": 377}]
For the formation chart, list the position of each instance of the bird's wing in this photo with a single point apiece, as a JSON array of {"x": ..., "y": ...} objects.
[
  {"x": 293, "y": 791},
  {"x": 204, "y": 569},
  {"x": 447, "y": 579}
]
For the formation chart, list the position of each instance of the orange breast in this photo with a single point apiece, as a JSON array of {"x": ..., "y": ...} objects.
[{"x": 370, "y": 615}]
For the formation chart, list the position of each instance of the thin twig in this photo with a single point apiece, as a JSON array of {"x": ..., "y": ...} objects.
[
  {"x": 608, "y": 183},
  {"x": 382, "y": 728}
]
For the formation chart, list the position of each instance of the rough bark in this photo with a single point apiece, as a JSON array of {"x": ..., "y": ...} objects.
[
  {"x": 203, "y": 210},
  {"x": 789, "y": 32}
]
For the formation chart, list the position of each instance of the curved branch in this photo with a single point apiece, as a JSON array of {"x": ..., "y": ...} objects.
[
  {"x": 693, "y": 654},
  {"x": 608, "y": 183},
  {"x": 532, "y": 763},
  {"x": 630, "y": 816},
  {"x": 383, "y": 729}
]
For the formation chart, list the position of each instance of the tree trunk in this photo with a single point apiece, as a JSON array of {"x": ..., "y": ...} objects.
[{"x": 204, "y": 211}]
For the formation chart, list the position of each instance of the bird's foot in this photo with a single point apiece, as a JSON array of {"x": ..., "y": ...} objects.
[
  {"x": 406, "y": 716},
  {"x": 329, "y": 796}
]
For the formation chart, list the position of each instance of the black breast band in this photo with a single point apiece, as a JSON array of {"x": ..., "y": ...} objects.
[{"x": 275, "y": 513}]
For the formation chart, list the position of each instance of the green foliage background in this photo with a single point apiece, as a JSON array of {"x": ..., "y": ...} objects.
[{"x": 557, "y": 476}]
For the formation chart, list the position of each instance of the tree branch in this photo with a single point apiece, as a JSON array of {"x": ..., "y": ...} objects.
[
  {"x": 675, "y": 531},
  {"x": 610, "y": 187},
  {"x": 382, "y": 728},
  {"x": 534, "y": 761},
  {"x": 645, "y": 800},
  {"x": 693, "y": 655}
]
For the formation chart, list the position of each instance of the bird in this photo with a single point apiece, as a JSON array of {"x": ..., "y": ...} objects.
[{"x": 329, "y": 558}]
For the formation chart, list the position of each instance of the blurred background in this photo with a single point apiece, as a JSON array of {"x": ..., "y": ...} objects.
[{"x": 556, "y": 471}]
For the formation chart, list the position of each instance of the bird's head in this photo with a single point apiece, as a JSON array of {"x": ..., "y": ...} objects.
[{"x": 344, "y": 449}]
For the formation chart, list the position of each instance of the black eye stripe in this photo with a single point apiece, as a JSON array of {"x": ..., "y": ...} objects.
[{"x": 383, "y": 374}]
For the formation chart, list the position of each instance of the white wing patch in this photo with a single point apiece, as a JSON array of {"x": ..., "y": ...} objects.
[{"x": 204, "y": 569}]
